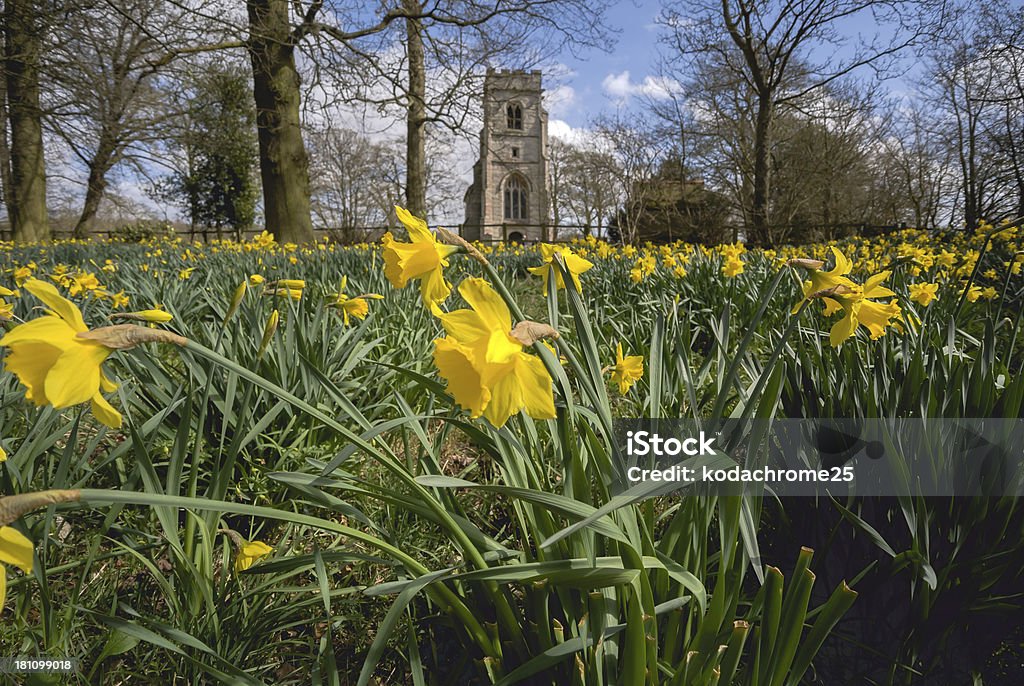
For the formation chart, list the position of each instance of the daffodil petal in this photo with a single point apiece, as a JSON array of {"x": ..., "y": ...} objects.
[
  {"x": 52, "y": 330},
  {"x": 31, "y": 362},
  {"x": 538, "y": 395},
  {"x": 464, "y": 326},
  {"x": 64, "y": 308},
  {"x": 454, "y": 362},
  {"x": 486, "y": 302},
  {"x": 105, "y": 413},
  {"x": 844, "y": 328},
  {"x": 15, "y": 549}
]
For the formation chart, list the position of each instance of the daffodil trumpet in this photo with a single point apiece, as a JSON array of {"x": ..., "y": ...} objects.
[{"x": 483, "y": 361}]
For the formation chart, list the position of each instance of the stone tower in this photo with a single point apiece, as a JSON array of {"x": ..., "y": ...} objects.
[{"x": 509, "y": 196}]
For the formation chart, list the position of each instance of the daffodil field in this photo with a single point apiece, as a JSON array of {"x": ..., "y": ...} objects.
[{"x": 254, "y": 463}]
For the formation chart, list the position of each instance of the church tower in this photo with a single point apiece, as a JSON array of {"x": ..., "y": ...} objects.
[{"x": 509, "y": 196}]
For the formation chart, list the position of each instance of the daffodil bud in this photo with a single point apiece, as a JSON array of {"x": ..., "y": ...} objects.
[
  {"x": 236, "y": 300},
  {"x": 151, "y": 316},
  {"x": 290, "y": 284},
  {"x": 268, "y": 332}
]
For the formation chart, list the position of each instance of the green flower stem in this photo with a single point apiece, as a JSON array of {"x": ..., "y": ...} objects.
[{"x": 737, "y": 358}]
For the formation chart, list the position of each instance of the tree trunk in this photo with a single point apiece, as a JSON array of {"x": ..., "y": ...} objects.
[
  {"x": 284, "y": 166},
  {"x": 760, "y": 231},
  {"x": 416, "y": 117},
  {"x": 102, "y": 161},
  {"x": 94, "y": 190},
  {"x": 27, "y": 192},
  {"x": 5, "y": 150}
]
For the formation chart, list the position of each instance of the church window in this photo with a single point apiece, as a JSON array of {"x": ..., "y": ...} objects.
[
  {"x": 515, "y": 198},
  {"x": 514, "y": 114}
]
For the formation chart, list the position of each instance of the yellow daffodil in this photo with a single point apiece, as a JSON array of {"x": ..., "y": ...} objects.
[
  {"x": 357, "y": 307},
  {"x": 484, "y": 364},
  {"x": 823, "y": 281},
  {"x": 118, "y": 300},
  {"x": 15, "y": 550},
  {"x": 3, "y": 454},
  {"x": 875, "y": 316},
  {"x": 255, "y": 280},
  {"x": 924, "y": 293},
  {"x": 574, "y": 264},
  {"x": 733, "y": 266},
  {"x": 55, "y": 364},
  {"x": 22, "y": 274},
  {"x": 973, "y": 293},
  {"x": 249, "y": 553},
  {"x": 627, "y": 370},
  {"x": 8, "y": 293},
  {"x": 82, "y": 282},
  {"x": 424, "y": 259},
  {"x": 6, "y": 310}
]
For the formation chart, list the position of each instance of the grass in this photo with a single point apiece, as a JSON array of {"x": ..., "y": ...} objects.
[{"x": 413, "y": 544}]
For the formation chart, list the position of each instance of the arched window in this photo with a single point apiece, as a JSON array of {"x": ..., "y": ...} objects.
[
  {"x": 515, "y": 198},
  {"x": 514, "y": 114}
]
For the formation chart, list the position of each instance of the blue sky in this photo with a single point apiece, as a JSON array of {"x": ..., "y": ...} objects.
[{"x": 600, "y": 81}]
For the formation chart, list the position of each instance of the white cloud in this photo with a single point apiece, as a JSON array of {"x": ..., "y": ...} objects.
[
  {"x": 559, "y": 100},
  {"x": 579, "y": 136},
  {"x": 622, "y": 87}
]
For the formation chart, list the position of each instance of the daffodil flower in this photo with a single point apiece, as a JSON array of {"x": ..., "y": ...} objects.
[
  {"x": 484, "y": 364},
  {"x": 627, "y": 370},
  {"x": 56, "y": 365},
  {"x": 732, "y": 267},
  {"x": 249, "y": 553},
  {"x": 862, "y": 311},
  {"x": 823, "y": 281},
  {"x": 424, "y": 259},
  {"x": 15, "y": 550},
  {"x": 357, "y": 307},
  {"x": 574, "y": 264},
  {"x": 924, "y": 293}
]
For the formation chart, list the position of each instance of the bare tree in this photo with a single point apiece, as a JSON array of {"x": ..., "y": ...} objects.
[
  {"x": 638, "y": 151},
  {"x": 105, "y": 98},
  {"x": 769, "y": 49},
  {"x": 357, "y": 181}
]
